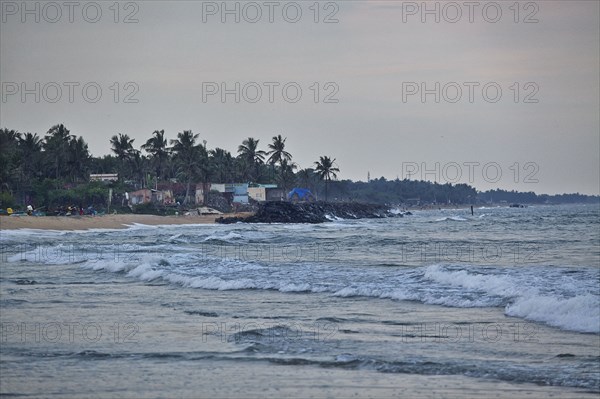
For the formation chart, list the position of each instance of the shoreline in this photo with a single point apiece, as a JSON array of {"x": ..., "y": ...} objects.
[{"x": 122, "y": 221}]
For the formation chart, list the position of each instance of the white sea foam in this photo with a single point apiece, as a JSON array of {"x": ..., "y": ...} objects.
[
  {"x": 499, "y": 285},
  {"x": 358, "y": 291},
  {"x": 452, "y": 218},
  {"x": 7, "y": 235},
  {"x": 230, "y": 236},
  {"x": 580, "y": 313},
  {"x": 107, "y": 265},
  {"x": 145, "y": 272}
]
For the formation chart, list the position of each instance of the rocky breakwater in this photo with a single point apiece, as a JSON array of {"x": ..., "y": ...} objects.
[{"x": 312, "y": 212}]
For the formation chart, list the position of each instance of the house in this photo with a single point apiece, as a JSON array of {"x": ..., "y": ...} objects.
[
  {"x": 163, "y": 197},
  {"x": 239, "y": 191},
  {"x": 145, "y": 196},
  {"x": 200, "y": 191},
  {"x": 139, "y": 197},
  {"x": 104, "y": 177},
  {"x": 266, "y": 192}
]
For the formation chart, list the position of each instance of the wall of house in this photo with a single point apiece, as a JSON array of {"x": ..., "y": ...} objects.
[{"x": 257, "y": 193}]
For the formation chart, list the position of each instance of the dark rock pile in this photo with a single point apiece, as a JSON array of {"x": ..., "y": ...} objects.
[{"x": 311, "y": 212}]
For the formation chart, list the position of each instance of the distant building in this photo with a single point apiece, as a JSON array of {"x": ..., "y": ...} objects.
[
  {"x": 146, "y": 195},
  {"x": 239, "y": 191},
  {"x": 200, "y": 191},
  {"x": 266, "y": 192},
  {"x": 104, "y": 177},
  {"x": 139, "y": 197}
]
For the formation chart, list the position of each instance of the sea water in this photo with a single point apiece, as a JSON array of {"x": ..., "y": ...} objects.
[{"x": 440, "y": 303}]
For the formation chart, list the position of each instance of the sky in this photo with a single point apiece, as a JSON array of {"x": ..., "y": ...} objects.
[{"x": 494, "y": 94}]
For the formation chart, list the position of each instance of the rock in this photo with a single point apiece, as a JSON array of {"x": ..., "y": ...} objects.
[
  {"x": 229, "y": 220},
  {"x": 311, "y": 212}
]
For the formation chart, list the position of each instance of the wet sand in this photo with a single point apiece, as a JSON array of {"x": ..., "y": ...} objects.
[{"x": 101, "y": 222}]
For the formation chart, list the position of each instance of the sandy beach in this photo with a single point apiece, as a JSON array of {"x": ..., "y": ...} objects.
[{"x": 100, "y": 222}]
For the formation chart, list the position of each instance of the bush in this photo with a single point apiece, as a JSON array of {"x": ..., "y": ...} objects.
[{"x": 6, "y": 200}]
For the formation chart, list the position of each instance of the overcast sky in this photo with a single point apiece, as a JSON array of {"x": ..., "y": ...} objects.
[{"x": 517, "y": 106}]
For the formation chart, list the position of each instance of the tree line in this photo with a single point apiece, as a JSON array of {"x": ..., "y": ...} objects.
[
  {"x": 55, "y": 168},
  {"x": 60, "y": 160}
]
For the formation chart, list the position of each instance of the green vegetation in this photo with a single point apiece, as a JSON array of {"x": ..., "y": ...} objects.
[
  {"x": 326, "y": 171},
  {"x": 53, "y": 171}
]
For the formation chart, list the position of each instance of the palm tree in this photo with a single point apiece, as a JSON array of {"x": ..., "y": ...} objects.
[
  {"x": 56, "y": 145},
  {"x": 253, "y": 157},
  {"x": 9, "y": 140},
  {"x": 222, "y": 163},
  {"x": 306, "y": 178},
  {"x": 78, "y": 158},
  {"x": 286, "y": 176},
  {"x": 138, "y": 164},
  {"x": 325, "y": 170},
  {"x": 277, "y": 152},
  {"x": 122, "y": 146},
  {"x": 189, "y": 158},
  {"x": 105, "y": 164},
  {"x": 30, "y": 143},
  {"x": 8, "y": 137},
  {"x": 157, "y": 147},
  {"x": 30, "y": 147}
]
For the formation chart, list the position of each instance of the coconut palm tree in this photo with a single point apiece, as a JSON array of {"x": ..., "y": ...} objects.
[
  {"x": 190, "y": 158},
  {"x": 30, "y": 147},
  {"x": 139, "y": 166},
  {"x": 277, "y": 151},
  {"x": 9, "y": 157},
  {"x": 252, "y": 156},
  {"x": 78, "y": 159},
  {"x": 56, "y": 146},
  {"x": 222, "y": 164},
  {"x": 286, "y": 176},
  {"x": 326, "y": 170},
  {"x": 8, "y": 137},
  {"x": 122, "y": 146},
  {"x": 306, "y": 178},
  {"x": 157, "y": 147}
]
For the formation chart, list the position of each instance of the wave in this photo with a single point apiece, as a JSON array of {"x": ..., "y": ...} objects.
[
  {"x": 498, "y": 285},
  {"x": 548, "y": 294},
  {"x": 451, "y": 219},
  {"x": 228, "y": 237},
  {"x": 560, "y": 300},
  {"x": 580, "y": 312}
]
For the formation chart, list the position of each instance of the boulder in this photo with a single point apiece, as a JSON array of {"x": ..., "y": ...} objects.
[{"x": 311, "y": 212}]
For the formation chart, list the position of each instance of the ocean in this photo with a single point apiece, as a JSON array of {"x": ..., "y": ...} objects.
[{"x": 440, "y": 303}]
